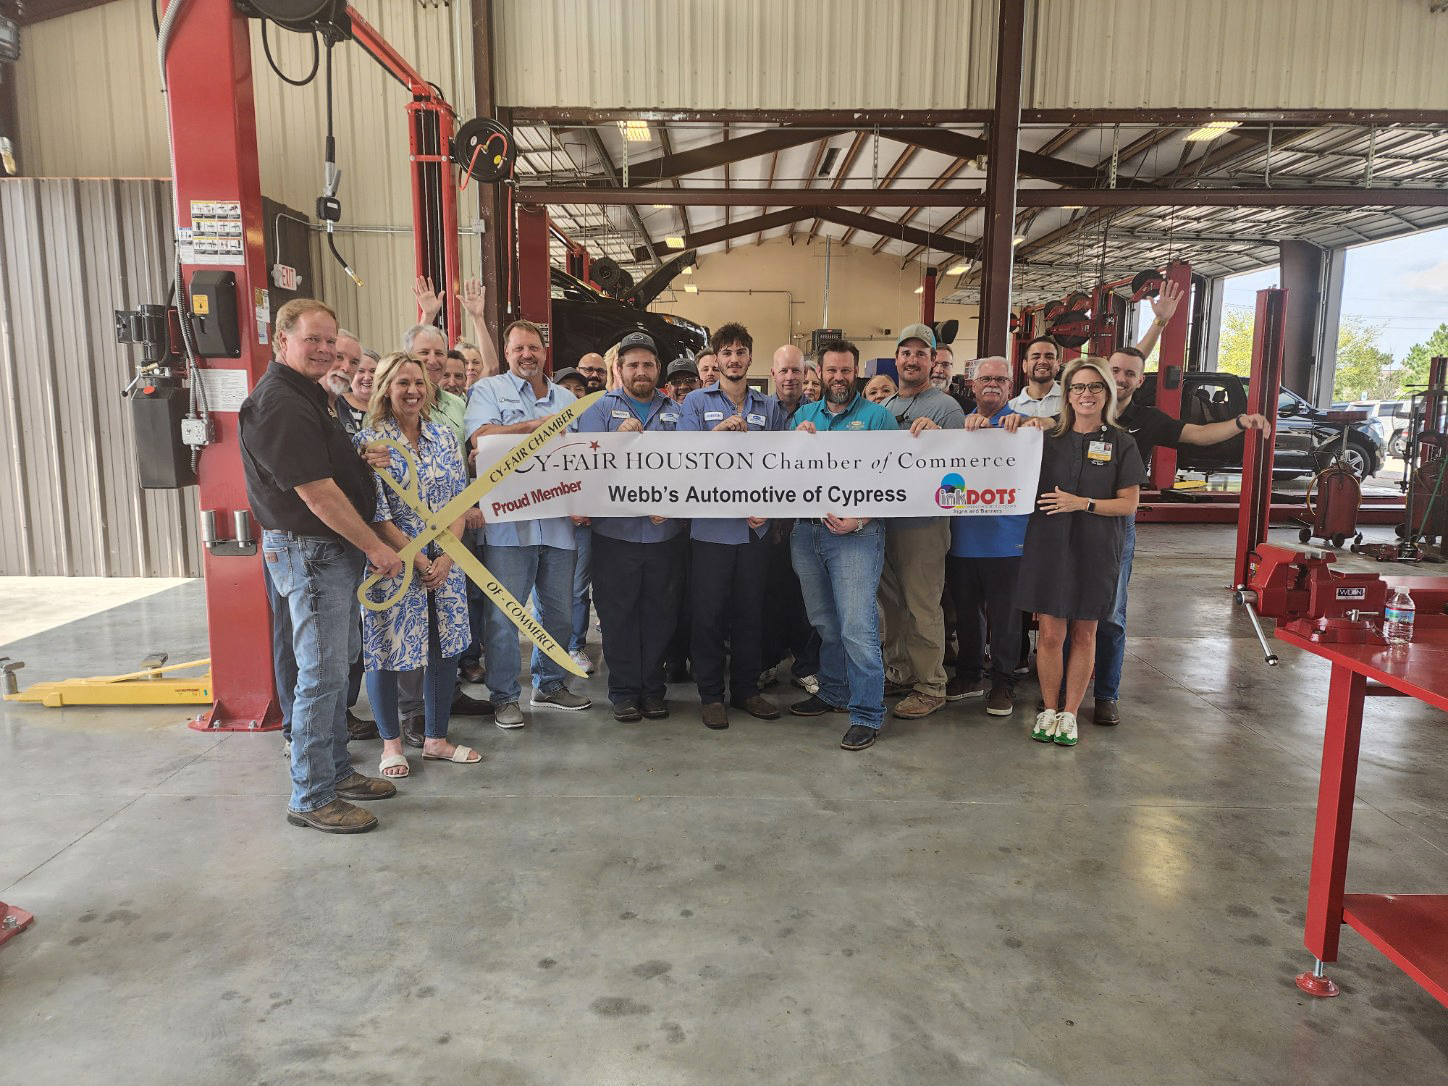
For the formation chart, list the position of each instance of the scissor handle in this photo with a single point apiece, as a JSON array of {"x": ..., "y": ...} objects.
[{"x": 412, "y": 495}]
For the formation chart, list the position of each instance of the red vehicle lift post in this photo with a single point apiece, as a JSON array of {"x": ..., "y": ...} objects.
[
  {"x": 211, "y": 115},
  {"x": 1254, "y": 510}
]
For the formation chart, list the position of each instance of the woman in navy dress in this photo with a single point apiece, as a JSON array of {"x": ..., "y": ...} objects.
[
  {"x": 428, "y": 626},
  {"x": 1091, "y": 475}
]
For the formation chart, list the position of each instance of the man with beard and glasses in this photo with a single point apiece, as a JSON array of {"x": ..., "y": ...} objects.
[
  {"x": 839, "y": 560},
  {"x": 683, "y": 378},
  {"x": 594, "y": 370},
  {"x": 915, "y": 547},
  {"x": 729, "y": 558}
]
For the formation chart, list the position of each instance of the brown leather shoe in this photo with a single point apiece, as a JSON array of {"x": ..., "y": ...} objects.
[
  {"x": 359, "y": 787},
  {"x": 758, "y": 706},
  {"x": 714, "y": 715},
  {"x": 1106, "y": 713},
  {"x": 917, "y": 705},
  {"x": 336, "y": 817},
  {"x": 1001, "y": 702},
  {"x": 472, "y": 673},
  {"x": 357, "y": 728}
]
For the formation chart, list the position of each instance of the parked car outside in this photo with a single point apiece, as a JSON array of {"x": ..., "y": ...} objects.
[
  {"x": 1306, "y": 439},
  {"x": 1395, "y": 417}
]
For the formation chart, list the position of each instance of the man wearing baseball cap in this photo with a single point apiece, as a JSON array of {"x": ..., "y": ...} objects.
[
  {"x": 912, "y": 623},
  {"x": 572, "y": 380},
  {"x": 682, "y": 378},
  {"x": 638, "y": 599}
]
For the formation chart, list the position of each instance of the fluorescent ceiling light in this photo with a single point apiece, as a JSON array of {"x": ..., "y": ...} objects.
[
  {"x": 1210, "y": 131},
  {"x": 1072, "y": 207},
  {"x": 919, "y": 290},
  {"x": 1019, "y": 238},
  {"x": 635, "y": 131},
  {"x": 959, "y": 269},
  {"x": 662, "y": 207},
  {"x": 673, "y": 241},
  {"x": 689, "y": 270},
  {"x": 690, "y": 288}
]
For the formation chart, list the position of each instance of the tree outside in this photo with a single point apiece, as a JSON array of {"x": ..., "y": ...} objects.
[
  {"x": 1415, "y": 362},
  {"x": 1364, "y": 370}
]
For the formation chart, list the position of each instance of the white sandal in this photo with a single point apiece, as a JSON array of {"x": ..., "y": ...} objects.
[
  {"x": 393, "y": 761},
  {"x": 461, "y": 754}
]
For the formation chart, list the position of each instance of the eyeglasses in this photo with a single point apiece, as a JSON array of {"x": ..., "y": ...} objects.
[
  {"x": 994, "y": 380},
  {"x": 1093, "y": 387}
]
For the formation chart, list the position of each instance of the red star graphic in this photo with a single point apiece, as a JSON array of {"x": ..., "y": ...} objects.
[{"x": 593, "y": 446}]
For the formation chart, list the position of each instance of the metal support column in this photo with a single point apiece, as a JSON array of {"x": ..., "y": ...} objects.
[
  {"x": 1171, "y": 356},
  {"x": 492, "y": 199},
  {"x": 535, "y": 301},
  {"x": 997, "y": 249},
  {"x": 212, "y": 120},
  {"x": 1255, "y": 507},
  {"x": 927, "y": 297},
  {"x": 1301, "y": 273}
]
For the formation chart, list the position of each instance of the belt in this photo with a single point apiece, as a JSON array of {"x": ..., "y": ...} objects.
[
  {"x": 298, "y": 537},
  {"x": 810, "y": 520}
]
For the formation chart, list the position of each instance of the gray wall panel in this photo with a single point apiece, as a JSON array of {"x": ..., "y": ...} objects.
[{"x": 72, "y": 252}]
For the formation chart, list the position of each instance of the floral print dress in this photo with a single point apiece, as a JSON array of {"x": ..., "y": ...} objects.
[{"x": 397, "y": 639}]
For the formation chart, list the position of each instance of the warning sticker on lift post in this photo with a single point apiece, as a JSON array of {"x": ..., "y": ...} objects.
[{"x": 215, "y": 236}]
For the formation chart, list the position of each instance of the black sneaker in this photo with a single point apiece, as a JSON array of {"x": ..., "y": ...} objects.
[
  {"x": 858, "y": 737},
  {"x": 655, "y": 708},
  {"x": 814, "y": 705},
  {"x": 627, "y": 711}
]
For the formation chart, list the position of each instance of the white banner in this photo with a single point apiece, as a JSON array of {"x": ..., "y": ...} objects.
[{"x": 869, "y": 474}]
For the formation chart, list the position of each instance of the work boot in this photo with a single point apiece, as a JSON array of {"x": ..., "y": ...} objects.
[
  {"x": 359, "y": 787},
  {"x": 412, "y": 729},
  {"x": 336, "y": 817},
  {"x": 357, "y": 728},
  {"x": 758, "y": 706},
  {"x": 1105, "y": 712},
  {"x": 917, "y": 705},
  {"x": 714, "y": 715}
]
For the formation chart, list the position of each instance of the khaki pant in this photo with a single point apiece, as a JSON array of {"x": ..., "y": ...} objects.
[{"x": 911, "y": 620}]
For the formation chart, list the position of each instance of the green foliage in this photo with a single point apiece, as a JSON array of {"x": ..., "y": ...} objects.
[
  {"x": 1234, "y": 345},
  {"x": 1364, "y": 370},
  {"x": 1415, "y": 362}
]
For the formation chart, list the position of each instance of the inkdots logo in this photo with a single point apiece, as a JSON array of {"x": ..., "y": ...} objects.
[{"x": 954, "y": 495}]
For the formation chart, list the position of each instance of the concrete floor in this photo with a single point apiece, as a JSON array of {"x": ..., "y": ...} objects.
[{"x": 658, "y": 903}]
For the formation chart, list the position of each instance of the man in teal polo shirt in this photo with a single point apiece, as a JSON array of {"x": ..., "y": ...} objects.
[{"x": 839, "y": 560}]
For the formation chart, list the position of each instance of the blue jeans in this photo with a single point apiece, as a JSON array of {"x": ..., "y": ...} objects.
[
  {"x": 284, "y": 663},
  {"x": 1111, "y": 630},
  {"x": 439, "y": 683},
  {"x": 582, "y": 577},
  {"x": 523, "y": 570},
  {"x": 839, "y": 576},
  {"x": 318, "y": 579}
]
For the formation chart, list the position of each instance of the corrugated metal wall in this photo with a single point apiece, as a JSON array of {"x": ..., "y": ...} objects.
[
  {"x": 111, "y": 123},
  {"x": 1303, "y": 54},
  {"x": 747, "y": 54},
  {"x": 72, "y": 252}
]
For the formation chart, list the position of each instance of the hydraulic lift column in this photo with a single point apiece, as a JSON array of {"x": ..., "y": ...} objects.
[{"x": 212, "y": 121}]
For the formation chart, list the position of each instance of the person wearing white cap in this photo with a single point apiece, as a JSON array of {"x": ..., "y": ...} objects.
[{"x": 912, "y": 623}]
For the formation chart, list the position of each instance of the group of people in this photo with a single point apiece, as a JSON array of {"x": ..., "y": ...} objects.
[{"x": 865, "y": 609}]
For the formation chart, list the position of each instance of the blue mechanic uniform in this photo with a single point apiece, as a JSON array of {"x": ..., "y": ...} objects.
[
  {"x": 638, "y": 565},
  {"x": 729, "y": 566}
]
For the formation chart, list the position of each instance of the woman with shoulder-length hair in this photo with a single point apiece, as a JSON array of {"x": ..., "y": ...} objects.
[
  {"x": 1091, "y": 476},
  {"x": 427, "y": 627}
]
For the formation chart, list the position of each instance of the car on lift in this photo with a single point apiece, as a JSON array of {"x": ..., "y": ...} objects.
[
  {"x": 586, "y": 319},
  {"x": 1307, "y": 440}
]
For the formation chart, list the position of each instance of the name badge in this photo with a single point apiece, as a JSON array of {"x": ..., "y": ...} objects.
[
  {"x": 1099, "y": 452},
  {"x": 713, "y": 416},
  {"x": 669, "y": 416},
  {"x": 756, "y": 420},
  {"x": 620, "y": 414}
]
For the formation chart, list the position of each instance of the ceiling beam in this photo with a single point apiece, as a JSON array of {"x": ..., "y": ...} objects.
[
  {"x": 889, "y": 179},
  {"x": 873, "y": 224},
  {"x": 737, "y": 229},
  {"x": 1030, "y": 163},
  {"x": 773, "y": 166},
  {"x": 612, "y": 173},
  {"x": 852, "y": 118},
  {"x": 713, "y": 155},
  {"x": 679, "y": 209},
  {"x": 840, "y": 175},
  {"x": 939, "y": 183},
  {"x": 809, "y": 180},
  {"x": 1202, "y": 114}
]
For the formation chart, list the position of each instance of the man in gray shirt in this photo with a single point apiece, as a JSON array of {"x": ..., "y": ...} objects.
[{"x": 911, "y": 619}]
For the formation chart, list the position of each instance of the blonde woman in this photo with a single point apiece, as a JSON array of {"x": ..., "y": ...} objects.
[
  {"x": 1091, "y": 475},
  {"x": 428, "y": 626},
  {"x": 880, "y": 388}
]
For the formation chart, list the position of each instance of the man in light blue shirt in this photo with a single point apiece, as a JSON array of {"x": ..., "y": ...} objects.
[
  {"x": 527, "y": 555},
  {"x": 729, "y": 558}
]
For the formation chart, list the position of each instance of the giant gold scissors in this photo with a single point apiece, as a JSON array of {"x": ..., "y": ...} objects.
[{"x": 438, "y": 525}]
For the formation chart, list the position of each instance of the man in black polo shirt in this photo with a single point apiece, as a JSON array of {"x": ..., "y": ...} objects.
[
  {"x": 314, "y": 498},
  {"x": 1151, "y": 428}
]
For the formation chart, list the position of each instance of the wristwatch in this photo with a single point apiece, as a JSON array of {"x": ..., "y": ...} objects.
[
  {"x": 1239, "y": 423},
  {"x": 1090, "y": 505}
]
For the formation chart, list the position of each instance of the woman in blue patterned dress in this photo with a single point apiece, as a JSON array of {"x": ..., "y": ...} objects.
[{"x": 428, "y": 626}]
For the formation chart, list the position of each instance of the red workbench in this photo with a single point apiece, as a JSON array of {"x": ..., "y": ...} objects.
[{"x": 1411, "y": 929}]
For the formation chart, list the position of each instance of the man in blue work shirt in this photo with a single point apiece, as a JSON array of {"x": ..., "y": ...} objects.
[
  {"x": 839, "y": 560},
  {"x": 981, "y": 568},
  {"x": 640, "y": 559},
  {"x": 525, "y": 555},
  {"x": 729, "y": 558}
]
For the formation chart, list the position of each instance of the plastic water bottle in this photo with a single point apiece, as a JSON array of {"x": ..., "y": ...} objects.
[{"x": 1398, "y": 618}]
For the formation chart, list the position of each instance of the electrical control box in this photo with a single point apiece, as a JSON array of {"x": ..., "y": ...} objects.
[
  {"x": 158, "y": 407},
  {"x": 214, "y": 321}
]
